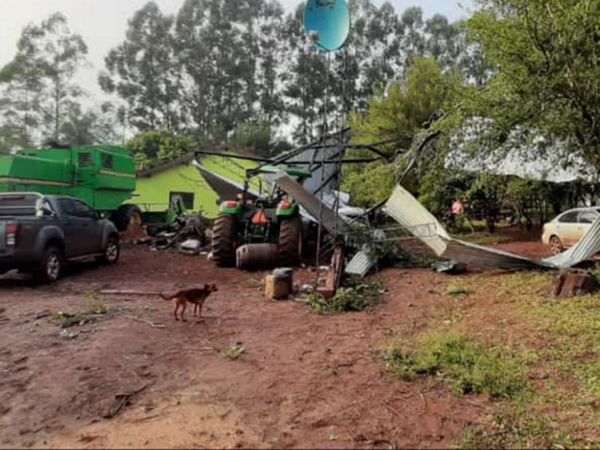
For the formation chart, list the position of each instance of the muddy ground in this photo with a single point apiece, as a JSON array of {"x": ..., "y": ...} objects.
[{"x": 303, "y": 380}]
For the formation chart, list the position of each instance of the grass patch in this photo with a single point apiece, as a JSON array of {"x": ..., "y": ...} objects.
[
  {"x": 234, "y": 352},
  {"x": 347, "y": 299},
  {"x": 470, "y": 367},
  {"x": 454, "y": 291},
  {"x": 557, "y": 340},
  {"x": 517, "y": 430}
]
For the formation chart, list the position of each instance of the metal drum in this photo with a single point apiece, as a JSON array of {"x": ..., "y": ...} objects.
[{"x": 257, "y": 257}]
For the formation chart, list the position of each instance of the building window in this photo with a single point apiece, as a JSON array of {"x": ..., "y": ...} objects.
[
  {"x": 186, "y": 197},
  {"x": 107, "y": 161}
]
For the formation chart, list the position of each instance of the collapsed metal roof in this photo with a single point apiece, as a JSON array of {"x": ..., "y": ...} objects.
[{"x": 408, "y": 212}]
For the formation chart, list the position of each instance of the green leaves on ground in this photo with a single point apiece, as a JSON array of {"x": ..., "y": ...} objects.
[{"x": 347, "y": 299}]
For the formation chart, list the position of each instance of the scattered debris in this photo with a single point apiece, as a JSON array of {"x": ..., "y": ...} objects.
[
  {"x": 190, "y": 247},
  {"x": 449, "y": 267},
  {"x": 67, "y": 320},
  {"x": 122, "y": 401},
  {"x": 233, "y": 352},
  {"x": 68, "y": 335}
]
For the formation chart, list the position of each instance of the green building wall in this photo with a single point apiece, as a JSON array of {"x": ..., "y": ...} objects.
[{"x": 153, "y": 193}]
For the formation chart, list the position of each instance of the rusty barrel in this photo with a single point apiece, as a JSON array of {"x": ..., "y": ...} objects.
[{"x": 257, "y": 257}]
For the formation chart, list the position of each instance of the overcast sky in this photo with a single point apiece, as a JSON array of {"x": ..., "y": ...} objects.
[{"x": 102, "y": 23}]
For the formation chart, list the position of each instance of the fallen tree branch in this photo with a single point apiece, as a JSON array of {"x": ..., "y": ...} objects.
[{"x": 121, "y": 401}]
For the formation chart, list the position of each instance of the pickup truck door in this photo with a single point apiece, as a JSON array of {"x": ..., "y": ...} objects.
[
  {"x": 90, "y": 228},
  {"x": 80, "y": 226}
]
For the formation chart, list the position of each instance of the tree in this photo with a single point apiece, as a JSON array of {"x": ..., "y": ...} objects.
[
  {"x": 488, "y": 193},
  {"x": 402, "y": 112},
  {"x": 48, "y": 57},
  {"x": 155, "y": 147},
  {"x": 256, "y": 136},
  {"x": 546, "y": 69},
  {"x": 145, "y": 72},
  {"x": 93, "y": 126}
]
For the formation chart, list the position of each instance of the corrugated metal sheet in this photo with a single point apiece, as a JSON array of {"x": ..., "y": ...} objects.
[
  {"x": 587, "y": 247},
  {"x": 225, "y": 188},
  {"x": 362, "y": 262},
  {"x": 486, "y": 258},
  {"x": 411, "y": 214},
  {"x": 330, "y": 221}
]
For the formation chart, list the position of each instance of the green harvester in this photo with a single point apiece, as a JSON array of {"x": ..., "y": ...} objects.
[{"x": 102, "y": 176}]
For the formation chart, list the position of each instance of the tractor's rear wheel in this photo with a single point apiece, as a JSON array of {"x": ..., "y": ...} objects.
[
  {"x": 290, "y": 241},
  {"x": 224, "y": 240}
]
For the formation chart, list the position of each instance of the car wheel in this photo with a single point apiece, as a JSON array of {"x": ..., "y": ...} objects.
[
  {"x": 556, "y": 245},
  {"x": 51, "y": 266},
  {"x": 112, "y": 251}
]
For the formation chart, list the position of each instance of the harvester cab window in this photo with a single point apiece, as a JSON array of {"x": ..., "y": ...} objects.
[
  {"x": 85, "y": 159},
  {"x": 107, "y": 161}
]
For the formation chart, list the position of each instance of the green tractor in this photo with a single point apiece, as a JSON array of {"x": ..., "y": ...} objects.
[{"x": 273, "y": 218}]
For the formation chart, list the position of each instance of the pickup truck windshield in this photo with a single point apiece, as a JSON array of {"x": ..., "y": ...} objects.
[{"x": 18, "y": 204}]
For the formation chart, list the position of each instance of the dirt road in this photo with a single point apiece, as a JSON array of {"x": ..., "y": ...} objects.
[{"x": 302, "y": 380}]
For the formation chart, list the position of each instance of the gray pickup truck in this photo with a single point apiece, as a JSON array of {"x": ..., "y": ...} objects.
[{"x": 39, "y": 234}]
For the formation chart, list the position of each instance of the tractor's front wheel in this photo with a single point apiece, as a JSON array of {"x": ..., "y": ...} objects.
[
  {"x": 224, "y": 240},
  {"x": 290, "y": 241}
]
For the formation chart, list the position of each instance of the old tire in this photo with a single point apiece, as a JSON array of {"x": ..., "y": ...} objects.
[
  {"x": 112, "y": 251},
  {"x": 556, "y": 245},
  {"x": 51, "y": 265},
  {"x": 290, "y": 241},
  {"x": 127, "y": 215},
  {"x": 224, "y": 240}
]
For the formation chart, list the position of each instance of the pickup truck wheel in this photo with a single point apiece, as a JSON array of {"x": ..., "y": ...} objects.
[
  {"x": 111, "y": 252},
  {"x": 51, "y": 266}
]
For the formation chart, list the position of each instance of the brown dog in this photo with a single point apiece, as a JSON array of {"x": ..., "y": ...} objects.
[{"x": 195, "y": 296}]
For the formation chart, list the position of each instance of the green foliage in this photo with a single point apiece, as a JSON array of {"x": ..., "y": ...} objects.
[
  {"x": 155, "y": 147},
  {"x": 468, "y": 366},
  {"x": 347, "y": 299},
  {"x": 439, "y": 187},
  {"x": 256, "y": 136},
  {"x": 487, "y": 193},
  {"x": 143, "y": 71},
  {"x": 67, "y": 320},
  {"x": 546, "y": 69},
  {"x": 402, "y": 111}
]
